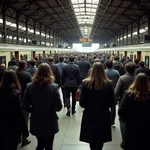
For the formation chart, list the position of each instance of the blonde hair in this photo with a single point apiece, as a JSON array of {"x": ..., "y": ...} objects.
[
  {"x": 140, "y": 87},
  {"x": 43, "y": 75},
  {"x": 97, "y": 78}
]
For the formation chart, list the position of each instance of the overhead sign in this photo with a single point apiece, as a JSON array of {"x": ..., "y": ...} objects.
[{"x": 85, "y": 40}]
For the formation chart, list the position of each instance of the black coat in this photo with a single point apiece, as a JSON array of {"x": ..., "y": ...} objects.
[
  {"x": 84, "y": 68},
  {"x": 70, "y": 75},
  {"x": 96, "y": 120},
  {"x": 1, "y": 74},
  {"x": 42, "y": 102},
  {"x": 143, "y": 70},
  {"x": 11, "y": 115},
  {"x": 24, "y": 78},
  {"x": 56, "y": 73},
  {"x": 135, "y": 114}
]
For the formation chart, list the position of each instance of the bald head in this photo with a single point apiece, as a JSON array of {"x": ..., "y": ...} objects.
[{"x": 2, "y": 66}]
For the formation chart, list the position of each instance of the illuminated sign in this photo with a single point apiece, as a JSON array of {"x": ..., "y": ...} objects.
[{"x": 85, "y": 40}]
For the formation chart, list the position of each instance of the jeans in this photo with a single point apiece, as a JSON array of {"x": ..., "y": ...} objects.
[
  {"x": 69, "y": 90},
  {"x": 113, "y": 114},
  {"x": 45, "y": 143}
]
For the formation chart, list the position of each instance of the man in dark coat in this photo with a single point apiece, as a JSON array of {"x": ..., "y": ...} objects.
[
  {"x": 55, "y": 70},
  {"x": 142, "y": 69},
  {"x": 32, "y": 69},
  {"x": 70, "y": 81},
  {"x": 24, "y": 78},
  {"x": 122, "y": 85},
  {"x": 117, "y": 65},
  {"x": 84, "y": 67},
  {"x": 13, "y": 65},
  {"x": 2, "y": 70}
]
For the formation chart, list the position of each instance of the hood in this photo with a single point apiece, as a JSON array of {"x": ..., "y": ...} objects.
[{"x": 117, "y": 64}]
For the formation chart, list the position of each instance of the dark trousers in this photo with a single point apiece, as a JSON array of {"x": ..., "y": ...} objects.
[
  {"x": 113, "y": 114},
  {"x": 69, "y": 90},
  {"x": 94, "y": 146},
  {"x": 63, "y": 94},
  {"x": 45, "y": 143},
  {"x": 10, "y": 144},
  {"x": 122, "y": 129}
]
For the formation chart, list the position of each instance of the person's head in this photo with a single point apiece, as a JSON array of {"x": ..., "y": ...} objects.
[
  {"x": 141, "y": 87},
  {"x": 108, "y": 64},
  {"x": 116, "y": 58},
  {"x": 97, "y": 60},
  {"x": 71, "y": 58},
  {"x": 82, "y": 56},
  {"x": 10, "y": 81},
  {"x": 22, "y": 64},
  {"x": 44, "y": 75},
  {"x": 32, "y": 62},
  {"x": 130, "y": 67},
  {"x": 51, "y": 59},
  {"x": 136, "y": 61},
  {"x": 142, "y": 63},
  {"x": 61, "y": 58},
  {"x": 13, "y": 63},
  {"x": 97, "y": 77},
  {"x": 2, "y": 66}
]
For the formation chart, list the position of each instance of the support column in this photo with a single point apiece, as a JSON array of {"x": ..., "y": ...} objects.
[
  {"x": 4, "y": 35},
  {"x": 131, "y": 38},
  {"x": 123, "y": 37},
  {"x": 138, "y": 32},
  {"x": 149, "y": 24},
  {"x": 53, "y": 38},
  {"x": 34, "y": 28},
  {"x": 49, "y": 36},
  {"x": 45, "y": 35},
  {"x": 127, "y": 37},
  {"x": 27, "y": 33},
  {"x": 119, "y": 38},
  {"x": 40, "y": 32},
  {"x": 17, "y": 27}
]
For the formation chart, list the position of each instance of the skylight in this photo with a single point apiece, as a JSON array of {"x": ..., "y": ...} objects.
[{"x": 85, "y": 11}]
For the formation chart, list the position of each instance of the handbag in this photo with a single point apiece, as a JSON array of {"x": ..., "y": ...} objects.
[{"x": 78, "y": 93}]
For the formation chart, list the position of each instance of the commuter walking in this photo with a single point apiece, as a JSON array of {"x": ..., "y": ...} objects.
[
  {"x": 24, "y": 78},
  {"x": 112, "y": 75},
  {"x": 122, "y": 85},
  {"x": 97, "y": 97},
  {"x": 55, "y": 70},
  {"x": 42, "y": 100},
  {"x": 142, "y": 69},
  {"x": 2, "y": 71},
  {"x": 13, "y": 122},
  {"x": 70, "y": 81},
  {"x": 134, "y": 111},
  {"x": 61, "y": 65},
  {"x": 84, "y": 67},
  {"x": 32, "y": 68}
]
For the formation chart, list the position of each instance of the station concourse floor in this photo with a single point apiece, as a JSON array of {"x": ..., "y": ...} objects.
[{"x": 68, "y": 136}]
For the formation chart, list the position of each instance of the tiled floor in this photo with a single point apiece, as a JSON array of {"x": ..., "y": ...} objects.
[{"x": 68, "y": 136}]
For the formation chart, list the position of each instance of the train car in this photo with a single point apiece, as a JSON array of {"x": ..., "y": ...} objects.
[
  {"x": 8, "y": 51},
  {"x": 140, "y": 51}
]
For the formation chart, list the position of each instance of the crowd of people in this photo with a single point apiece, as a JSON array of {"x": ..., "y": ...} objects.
[{"x": 32, "y": 88}]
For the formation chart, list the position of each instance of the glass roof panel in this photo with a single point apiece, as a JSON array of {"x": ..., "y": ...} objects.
[{"x": 85, "y": 11}]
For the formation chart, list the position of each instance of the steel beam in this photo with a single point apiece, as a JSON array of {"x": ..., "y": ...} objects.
[{"x": 4, "y": 38}]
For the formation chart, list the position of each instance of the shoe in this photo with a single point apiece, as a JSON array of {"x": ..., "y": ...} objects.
[
  {"x": 68, "y": 113},
  {"x": 73, "y": 112},
  {"x": 65, "y": 105},
  {"x": 25, "y": 142},
  {"x": 113, "y": 125},
  {"x": 122, "y": 145}
]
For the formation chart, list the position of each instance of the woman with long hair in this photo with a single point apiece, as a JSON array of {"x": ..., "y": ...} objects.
[
  {"x": 12, "y": 119},
  {"x": 134, "y": 111},
  {"x": 97, "y": 97},
  {"x": 42, "y": 99}
]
